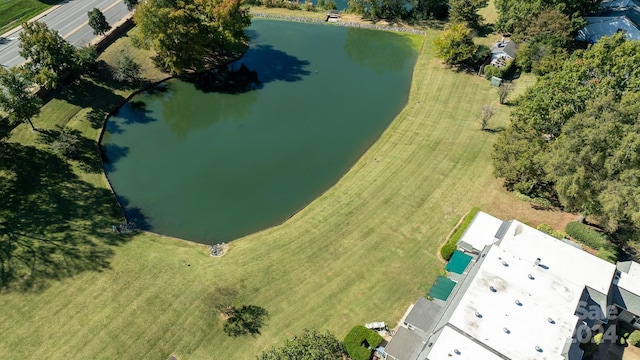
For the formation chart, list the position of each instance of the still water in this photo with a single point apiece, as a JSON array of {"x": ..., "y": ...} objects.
[{"x": 213, "y": 166}]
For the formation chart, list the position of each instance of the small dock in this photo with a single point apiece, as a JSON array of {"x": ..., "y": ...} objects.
[{"x": 333, "y": 16}]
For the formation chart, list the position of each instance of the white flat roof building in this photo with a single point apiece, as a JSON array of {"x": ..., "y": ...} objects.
[
  {"x": 519, "y": 310},
  {"x": 450, "y": 344},
  {"x": 480, "y": 232},
  {"x": 524, "y": 297},
  {"x": 561, "y": 259}
]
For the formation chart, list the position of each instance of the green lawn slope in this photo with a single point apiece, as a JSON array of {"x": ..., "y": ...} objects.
[
  {"x": 15, "y": 12},
  {"x": 361, "y": 252}
]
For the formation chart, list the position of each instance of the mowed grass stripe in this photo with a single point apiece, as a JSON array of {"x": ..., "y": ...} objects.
[{"x": 361, "y": 252}]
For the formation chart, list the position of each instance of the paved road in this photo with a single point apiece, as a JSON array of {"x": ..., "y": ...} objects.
[{"x": 70, "y": 20}]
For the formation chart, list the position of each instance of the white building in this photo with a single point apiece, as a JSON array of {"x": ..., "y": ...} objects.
[
  {"x": 615, "y": 16},
  {"x": 526, "y": 295}
]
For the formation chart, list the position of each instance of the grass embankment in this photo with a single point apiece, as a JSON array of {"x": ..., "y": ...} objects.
[
  {"x": 359, "y": 253},
  {"x": 15, "y": 12}
]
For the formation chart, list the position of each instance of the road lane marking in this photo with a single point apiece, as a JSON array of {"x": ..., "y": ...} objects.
[{"x": 87, "y": 22}]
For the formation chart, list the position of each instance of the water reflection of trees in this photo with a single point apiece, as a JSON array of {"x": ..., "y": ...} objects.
[
  {"x": 381, "y": 51},
  {"x": 187, "y": 110},
  {"x": 227, "y": 93}
]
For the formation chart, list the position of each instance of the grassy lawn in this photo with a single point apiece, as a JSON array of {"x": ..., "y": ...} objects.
[
  {"x": 15, "y": 12},
  {"x": 361, "y": 252}
]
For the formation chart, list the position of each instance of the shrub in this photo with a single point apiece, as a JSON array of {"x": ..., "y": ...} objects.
[
  {"x": 547, "y": 229},
  {"x": 447, "y": 250},
  {"x": 586, "y": 235},
  {"x": 354, "y": 340},
  {"x": 634, "y": 338},
  {"x": 608, "y": 252},
  {"x": 591, "y": 346},
  {"x": 535, "y": 200},
  {"x": 500, "y": 72}
]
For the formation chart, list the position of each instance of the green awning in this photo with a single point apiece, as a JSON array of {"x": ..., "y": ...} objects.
[
  {"x": 458, "y": 262},
  {"x": 442, "y": 288}
]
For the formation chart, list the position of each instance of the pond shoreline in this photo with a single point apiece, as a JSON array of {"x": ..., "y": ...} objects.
[{"x": 338, "y": 23}]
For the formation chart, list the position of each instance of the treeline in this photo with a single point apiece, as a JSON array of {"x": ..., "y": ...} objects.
[
  {"x": 296, "y": 5},
  {"x": 400, "y": 9},
  {"x": 574, "y": 136}
]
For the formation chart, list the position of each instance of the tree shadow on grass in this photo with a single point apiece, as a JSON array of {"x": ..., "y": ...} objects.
[
  {"x": 53, "y": 225},
  {"x": 88, "y": 94},
  {"x": 72, "y": 145}
]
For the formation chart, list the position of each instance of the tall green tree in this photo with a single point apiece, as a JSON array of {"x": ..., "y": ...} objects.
[
  {"x": 16, "y": 96},
  {"x": 455, "y": 45},
  {"x": 515, "y": 15},
  {"x": 595, "y": 162},
  {"x": 429, "y": 9},
  {"x": 574, "y": 134},
  {"x": 131, "y": 4},
  {"x": 48, "y": 54},
  {"x": 378, "y": 9},
  {"x": 466, "y": 11},
  {"x": 98, "y": 22},
  {"x": 191, "y": 35},
  {"x": 309, "y": 345}
]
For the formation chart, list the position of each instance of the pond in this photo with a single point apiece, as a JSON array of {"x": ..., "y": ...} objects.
[{"x": 212, "y": 166}]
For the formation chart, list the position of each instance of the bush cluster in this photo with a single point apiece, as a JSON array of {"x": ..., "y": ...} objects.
[
  {"x": 547, "y": 229},
  {"x": 591, "y": 346},
  {"x": 634, "y": 338},
  {"x": 586, "y": 235},
  {"x": 534, "y": 200},
  {"x": 500, "y": 72},
  {"x": 447, "y": 250},
  {"x": 594, "y": 239},
  {"x": 354, "y": 340}
]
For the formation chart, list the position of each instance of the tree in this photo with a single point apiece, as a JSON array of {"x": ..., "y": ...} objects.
[
  {"x": 309, "y": 345},
  {"x": 543, "y": 54},
  {"x": 487, "y": 113},
  {"x": 514, "y": 16},
  {"x": 504, "y": 90},
  {"x": 575, "y": 135},
  {"x": 98, "y": 22},
  {"x": 85, "y": 58},
  {"x": 131, "y": 4},
  {"x": 191, "y": 35},
  {"x": 16, "y": 96},
  {"x": 127, "y": 69},
  {"x": 466, "y": 11},
  {"x": 378, "y": 9},
  {"x": 430, "y": 9},
  {"x": 455, "y": 45},
  {"x": 550, "y": 22},
  {"x": 595, "y": 162},
  {"x": 48, "y": 54},
  {"x": 248, "y": 319}
]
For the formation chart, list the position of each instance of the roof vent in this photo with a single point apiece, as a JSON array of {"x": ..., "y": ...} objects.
[
  {"x": 551, "y": 321},
  {"x": 505, "y": 263},
  {"x": 531, "y": 277},
  {"x": 518, "y": 302},
  {"x": 456, "y": 351},
  {"x": 537, "y": 262},
  {"x": 478, "y": 315},
  {"x": 493, "y": 289},
  {"x": 506, "y": 331},
  {"x": 538, "y": 348}
]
